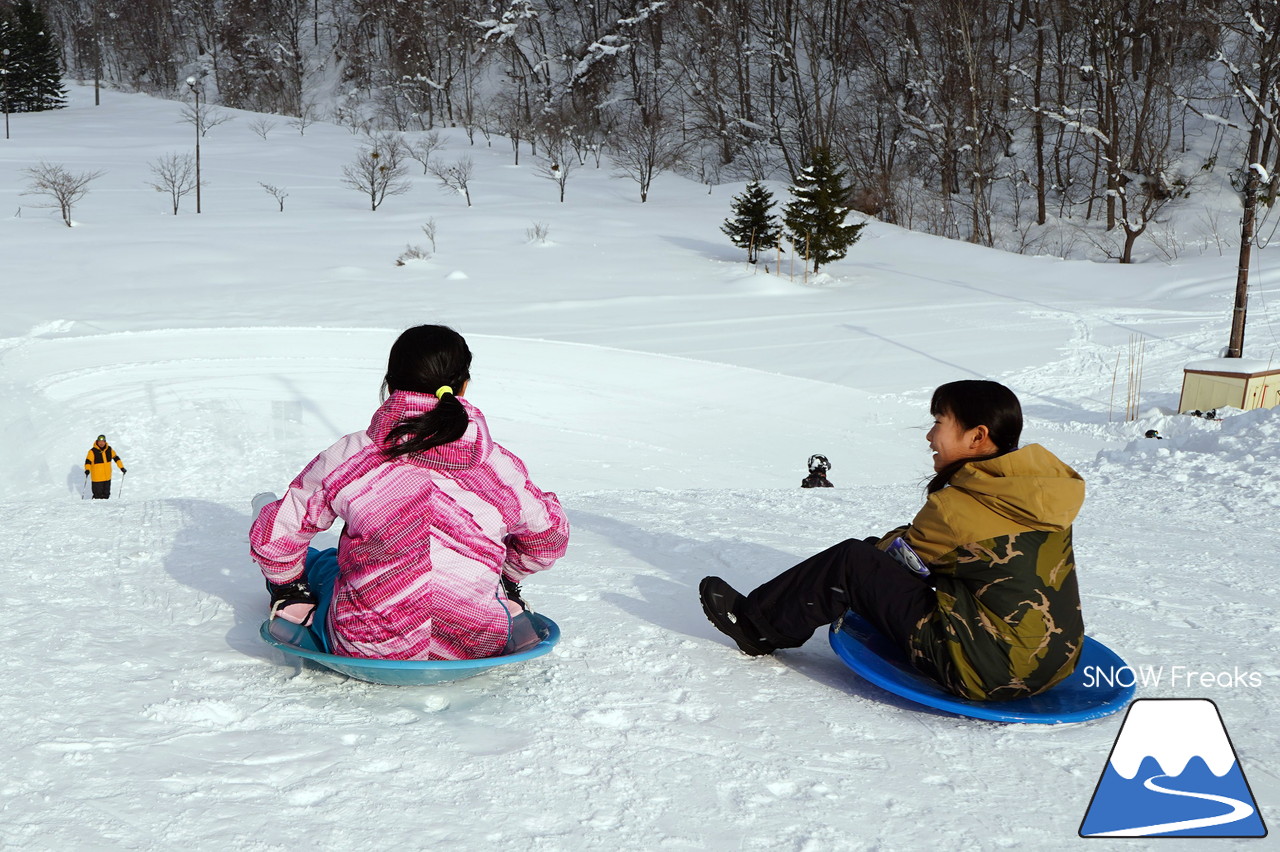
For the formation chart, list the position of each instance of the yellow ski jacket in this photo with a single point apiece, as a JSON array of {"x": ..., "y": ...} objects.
[{"x": 97, "y": 463}]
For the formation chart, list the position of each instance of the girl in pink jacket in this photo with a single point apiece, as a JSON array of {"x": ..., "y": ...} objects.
[{"x": 441, "y": 522}]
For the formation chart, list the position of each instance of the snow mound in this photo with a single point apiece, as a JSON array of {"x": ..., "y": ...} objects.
[{"x": 1243, "y": 449}]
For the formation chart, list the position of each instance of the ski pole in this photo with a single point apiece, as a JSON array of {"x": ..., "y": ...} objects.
[
  {"x": 120, "y": 493},
  {"x": 83, "y": 491}
]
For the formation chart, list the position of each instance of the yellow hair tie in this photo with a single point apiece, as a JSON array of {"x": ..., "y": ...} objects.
[{"x": 442, "y": 390}]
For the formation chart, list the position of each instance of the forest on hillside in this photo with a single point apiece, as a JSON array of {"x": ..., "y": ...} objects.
[{"x": 995, "y": 121}]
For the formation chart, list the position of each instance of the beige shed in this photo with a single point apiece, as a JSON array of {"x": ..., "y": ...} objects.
[{"x": 1229, "y": 382}]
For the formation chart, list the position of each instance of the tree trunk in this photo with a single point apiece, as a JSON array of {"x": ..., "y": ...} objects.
[
  {"x": 1130, "y": 237},
  {"x": 1235, "y": 346},
  {"x": 1042, "y": 215}
]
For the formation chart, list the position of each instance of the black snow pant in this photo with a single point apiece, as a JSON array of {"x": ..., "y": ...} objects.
[
  {"x": 102, "y": 490},
  {"x": 851, "y": 575}
]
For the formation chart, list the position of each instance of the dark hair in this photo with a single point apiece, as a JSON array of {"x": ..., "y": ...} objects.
[
  {"x": 423, "y": 359},
  {"x": 973, "y": 403}
]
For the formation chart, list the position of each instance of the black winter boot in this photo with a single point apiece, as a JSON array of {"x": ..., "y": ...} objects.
[
  {"x": 292, "y": 601},
  {"x": 723, "y": 607}
]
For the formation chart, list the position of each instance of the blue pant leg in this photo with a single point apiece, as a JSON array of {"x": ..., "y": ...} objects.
[
  {"x": 522, "y": 636},
  {"x": 321, "y": 574}
]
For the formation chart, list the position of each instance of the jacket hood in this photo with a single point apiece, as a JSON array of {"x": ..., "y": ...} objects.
[
  {"x": 472, "y": 449},
  {"x": 1030, "y": 486}
]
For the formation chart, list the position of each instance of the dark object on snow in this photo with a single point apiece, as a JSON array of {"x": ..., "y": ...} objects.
[
  {"x": 722, "y": 604},
  {"x": 1211, "y": 414},
  {"x": 513, "y": 593},
  {"x": 289, "y": 594},
  {"x": 1152, "y": 433},
  {"x": 817, "y": 478}
]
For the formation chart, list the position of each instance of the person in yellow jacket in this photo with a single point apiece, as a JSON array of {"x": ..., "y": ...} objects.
[
  {"x": 97, "y": 467},
  {"x": 990, "y": 609}
]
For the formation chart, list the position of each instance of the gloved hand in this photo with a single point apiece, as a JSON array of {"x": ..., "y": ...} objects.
[
  {"x": 512, "y": 589},
  {"x": 124, "y": 470},
  {"x": 292, "y": 601},
  {"x": 86, "y": 474}
]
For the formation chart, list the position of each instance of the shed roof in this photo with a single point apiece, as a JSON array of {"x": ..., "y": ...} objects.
[{"x": 1239, "y": 366}]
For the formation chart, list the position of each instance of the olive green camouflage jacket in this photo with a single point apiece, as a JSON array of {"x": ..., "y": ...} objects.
[{"x": 998, "y": 541}]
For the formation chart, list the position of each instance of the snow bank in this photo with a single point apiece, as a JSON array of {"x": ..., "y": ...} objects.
[{"x": 1242, "y": 450}]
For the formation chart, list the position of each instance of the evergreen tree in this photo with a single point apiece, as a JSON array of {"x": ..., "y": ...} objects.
[
  {"x": 33, "y": 81},
  {"x": 815, "y": 219},
  {"x": 753, "y": 225},
  {"x": 8, "y": 44}
]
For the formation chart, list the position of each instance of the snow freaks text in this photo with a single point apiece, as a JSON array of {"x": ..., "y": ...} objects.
[{"x": 1172, "y": 676}]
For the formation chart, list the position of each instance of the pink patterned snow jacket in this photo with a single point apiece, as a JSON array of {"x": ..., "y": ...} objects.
[{"x": 425, "y": 540}]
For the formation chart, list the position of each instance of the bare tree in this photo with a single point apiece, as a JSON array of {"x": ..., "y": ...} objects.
[
  {"x": 424, "y": 146},
  {"x": 557, "y": 161},
  {"x": 556, "y": 169},
  {"x": 305, "y": 118},
  {"x": 63, "y": 188},
  {"x": 379, "y": 170},
  {"x": 205, "y": 118},
  {"x": 455, "y": 176},
  {"x": 174, "y": 174},
  {"x": 1141, "y": 197},
  {"x": 350, "y": 117},
  {"x": 262, "y": 126},
  {"x": 275, "y": 192},
  {"x": 642, "y": 147},
  {"x": 508, "y": 113}
]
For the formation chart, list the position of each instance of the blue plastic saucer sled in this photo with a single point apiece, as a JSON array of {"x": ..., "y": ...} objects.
[
  {"x": 300, "y": 642},
  {"x": 1079, "y": 698}
]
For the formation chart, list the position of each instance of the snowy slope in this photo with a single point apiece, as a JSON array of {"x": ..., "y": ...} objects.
[{"x": 670, "y": 395}]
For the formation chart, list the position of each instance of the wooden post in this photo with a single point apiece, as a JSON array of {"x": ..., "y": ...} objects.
[
  {"x": 1114, "y": 374},
  {"x": 1133, "y": 395}
]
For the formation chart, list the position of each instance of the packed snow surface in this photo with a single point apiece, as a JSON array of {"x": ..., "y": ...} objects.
[{"x": 670, "y": 394}]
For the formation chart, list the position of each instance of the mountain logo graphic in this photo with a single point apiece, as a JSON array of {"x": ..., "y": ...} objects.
[{"x": 1173, "y": 772}]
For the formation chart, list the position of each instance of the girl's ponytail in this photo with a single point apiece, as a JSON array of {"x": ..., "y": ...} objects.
[
  {"x": 444, "y": 424},
  {"x": 430, "y": 359}
]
